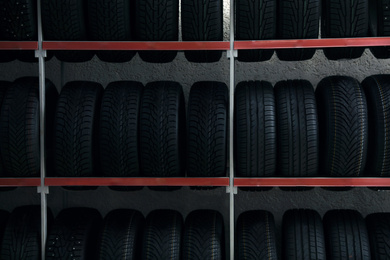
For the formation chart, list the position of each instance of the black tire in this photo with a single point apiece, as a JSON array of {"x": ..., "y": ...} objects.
[
  {"x": 256, "y": 236},
  {"x": 207, "y": 129},
  {"x": 298, "y": 19},
  {"x": 341, "y": 19},
  {"x": 19, "y": 124},
  {"x": 378, "y": 226},
  {"x": 65, "y": 20},
  {"x": 380, "y": 26},
  {"x": 74, "y": 234},
  {"x": 118, "y": 133},
  {"x": 157, "y": 21},
  {"x": 202, "y": 21},
  {"x": 204, "y": 236},
  {"x": 75, "y": 130},
  {"x": 22, "y": 234},
  {"x": 7, "y": 56},
  {"x": 298, "y": 141},
  {"x": 303, "y": 235},
  {"x": 4, "y": 85},
  {"x": 162, "y": 235},
  {"x": 346, "y": 235},
  {"x": 18, "y": 20},
  {"x": 255, "y": 129},
  {"x": 29, "y": 56},
  {"x": 111, "y": 21},
  {"x": 342, "y": 113},
  {"x": 4, "y": 216},
  {"x": 162, "y": 130},
  {"x": 121, "y": 235},
  {"x": 377, "y": 90},
  {"x": 255, "y": 20}
]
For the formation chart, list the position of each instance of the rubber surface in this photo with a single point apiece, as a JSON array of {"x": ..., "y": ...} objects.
[
  {"x": 346, "y": 235},
  {"x": 162, "y": 235},
  {"x": 204, "y": 236},
  {"x": 121, "y": 235},
  {"x": 111, "y": 21},
  {"x": 256, "y": 236},
  {"x": 342, "y": 113},
  {"x": 378, "y": 225},
  {"x": 377, "y": 91},
  {"x": 4, "y": 85},
  {"x": 73, "y": 235},
  {"x": 298, "y": 137},
  {"x": 298, "y": 19},
  {"x": 380, "y": 26},
  {"x": 202, "y": 20},
  {"x": 207, "y": 129},
  {"x": 162, "y": 130},
  {"x": 255, "y": 129},
  {"x": 19, "y": 124},
  {"x": 65, "y": 20},
  {"x": 303, "y": 235},
  {"x": 157, "y": 21},
  {"x": 118, "y": 134},
  {"x": 255, "y": 20},
  {"x": 344, "y": 19},
  {"x": 76, "y": 125}
]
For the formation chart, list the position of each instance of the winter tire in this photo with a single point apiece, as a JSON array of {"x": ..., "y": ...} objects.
[
  {"x": 378, "y": 225},
  {"x": 380, "y": 26}
]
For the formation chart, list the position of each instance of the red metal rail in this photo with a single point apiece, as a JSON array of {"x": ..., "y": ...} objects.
[
  {"x": 51, "y": 45},
  {"x": 18, "y": 45},
  {"x": 312, "y": 182},
  {"x": 20, "y": 182},
  {"x": 313, "y": 43},
  {"x": 137, "y": 181}
]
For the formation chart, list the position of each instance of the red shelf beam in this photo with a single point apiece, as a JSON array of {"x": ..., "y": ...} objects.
[
  {"x": 312, "y": 43},
  {"x": 20, "y": 182},
  {"x": 181, "y": 46},
  {"x": 18, "y": 45},
  {"x": 137, "y": 181},
  {"x": 312, "y": 182}
]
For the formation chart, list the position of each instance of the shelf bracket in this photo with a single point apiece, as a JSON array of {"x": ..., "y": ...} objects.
[
  {"x": 43, "y": 189},
  {"x": 40, "y": 53},
  {"x": 234, "y": 189},
  {"x": 230, "y": 52}
]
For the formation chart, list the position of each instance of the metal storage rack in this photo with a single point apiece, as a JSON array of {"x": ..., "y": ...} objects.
[{"x": 231, "y": 183}]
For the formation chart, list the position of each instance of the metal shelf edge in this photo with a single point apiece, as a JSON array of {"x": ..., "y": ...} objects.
[
  {"x": 9, "y": 45},
  {"x": 20, "y": 182}
]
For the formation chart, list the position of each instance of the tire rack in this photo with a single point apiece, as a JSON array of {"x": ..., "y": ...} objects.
[{"x": 230, "y": 182}]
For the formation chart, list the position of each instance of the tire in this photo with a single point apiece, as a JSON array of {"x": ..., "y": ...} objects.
[
  {"x": 380, "y": 26},
  {"x": 22, "y": 234},
  {"x": 255, "y": 20},
  {"x": 4, "y": 85},
  {"x": 378, "y": 226},
  {"x": 377, "y": 91},
  {"x": 346, "y": 235},
  {"x": 341, "y": 19},
  {"x": 19, "y": 124},
  {"x": 256, "y": 236},
  {"x": 255, "y": 129},
  {"x": 75, "y": 134},
  {"x": 29, "y": 56},
  {"x": 18, "y": 20},
  {"x": 73, "y": 234},
  {"x": 7, "y": 56},
  {"x": 157, "y": 21},
  {"x": 111, "y": 21},
  {"x": 204, "y": 236},
  {"x": 303, "y": 235},
  {"x": 162, "y": 128},
  {"x": 65, "y": 20},
  {"x": 118, "y": 133},
  {"x": 298, "y": 19},
  {"x": 202, "y": 21},
  {"x": 298, "y": 142},
  {"x": 121, "y": 235},
  {"x": 162, "y": 235},
  {"x": 342, "y": 113},
  {"x": 207, "y": 130}
]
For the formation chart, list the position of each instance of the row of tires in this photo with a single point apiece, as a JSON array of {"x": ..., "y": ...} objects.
[
  {"x": 148, "y": 20},
  {"x": 128, "y": 130},
  {"x": 81, "y": 233}
]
